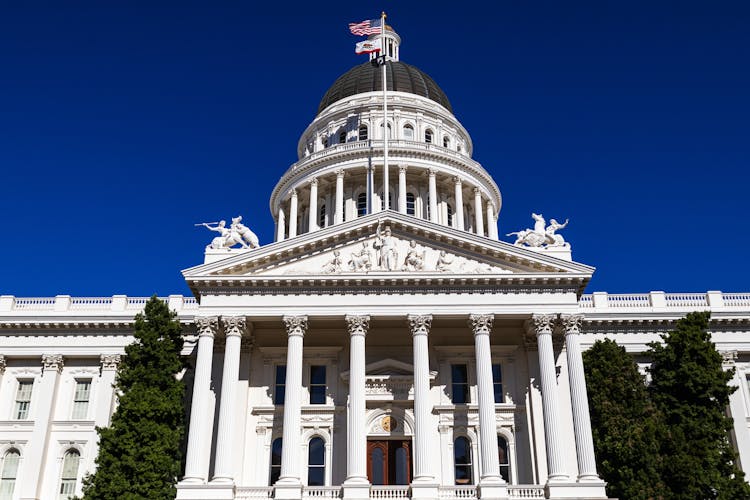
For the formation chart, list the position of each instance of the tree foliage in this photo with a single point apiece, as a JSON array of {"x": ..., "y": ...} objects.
[
  {"x": 625, "y": 424},
  {"x": 140, "y": 452},
  {"x": 690, "y": 389},
  {"x": 668, "y": 440}
]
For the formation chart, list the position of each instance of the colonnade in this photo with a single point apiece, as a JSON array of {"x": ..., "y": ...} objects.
[
  {"x": 424, "y": 483},
  {"x": 482, "y": 208}
]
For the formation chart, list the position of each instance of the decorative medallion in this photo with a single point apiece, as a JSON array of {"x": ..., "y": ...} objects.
[{"x": 388, "y": 423}]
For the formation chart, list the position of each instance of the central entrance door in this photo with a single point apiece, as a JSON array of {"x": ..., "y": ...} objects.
[{"x": 389, "y": 461}]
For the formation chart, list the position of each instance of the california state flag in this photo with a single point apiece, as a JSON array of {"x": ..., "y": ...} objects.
[{"x": 368, "y": 46}]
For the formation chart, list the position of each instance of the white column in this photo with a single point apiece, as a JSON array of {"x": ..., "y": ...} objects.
[
  {"x": 478, "y": 221},
  {"x": 371, "y": 208},
  {"x": 293, "y": 217},
  {"x": 313, "y": 215},
  {"x": 105, "y": 394},
  {"x": 491, "y": 221},
  {"x": 35, "y": 454},
  {"x": 579, "y": 398},
  {"x": 199, "y": 430},
  {"x": 737, "y": 410},
  {"x": 280, "y": 224},
  {"x": 481, "y": 325},
  {"x": 288, "y": 485},
  {"x": 543, "y": 325},
  {"x": 420, "y": 327},
  {"x": 433, "y": 195},
  {"x": 339, "y": 213},
  {"x": 402, "y": 189},
  {"x": 459, "y": 195},
  {"x": 356, "y": 453},
  {"x": 234, "y": 327}
]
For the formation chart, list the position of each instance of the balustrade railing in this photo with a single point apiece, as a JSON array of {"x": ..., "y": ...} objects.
[
  {"x": 321, "y": 492},
  {"x": 661, "y": 300},
  {"x": 91, "y": 303},
  {"x": 253, "y": 492},
  {"x": 388, "y": 492},
  {"x": 526, "y": 492},
  {"x": 35, "y": 303},
  {"x": 449, "y": 492},
  {"x": 115, "y": 303},
  {"x": 737, "y": 299}
]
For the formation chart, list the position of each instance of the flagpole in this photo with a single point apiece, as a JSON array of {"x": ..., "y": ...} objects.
[{"x": 385, "y": 114}]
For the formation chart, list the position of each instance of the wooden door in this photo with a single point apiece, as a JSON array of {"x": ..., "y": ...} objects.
[{"x": 389, "y": 462}]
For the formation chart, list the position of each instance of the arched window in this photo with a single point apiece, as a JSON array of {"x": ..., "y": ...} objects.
[
  {"x": 342, "y": 136},
  {"x": 450, "y": 215},
  {"x": 9, "y": 473},
  {"x": 446, "y": 142},
  {"x": 363, "y": 132},
  {"x": 458, "y": 148},
  {"x": 462, "y": 460},
  {"x": 408, "y": 132},
  {"x": 324, "y": 141},
  {"x": 316, "y": 462},
  {"x": 275, "y": 462},
  {"x": 502, "y": 451},
  {"x": 69, "y": 475},
  {"x": 410, "y": 205},
  {"x": 390, "y": 131},
  {"x": 322, "y": 215},
  {"x": 361, "y": 204},
  {"x": 428, "y": 136}
]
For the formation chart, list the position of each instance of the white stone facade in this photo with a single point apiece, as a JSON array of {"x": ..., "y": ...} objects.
[{"x": 376, "y": 352}]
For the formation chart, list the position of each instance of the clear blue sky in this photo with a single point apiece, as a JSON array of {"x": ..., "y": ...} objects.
[{"x": 124, "y": 123}]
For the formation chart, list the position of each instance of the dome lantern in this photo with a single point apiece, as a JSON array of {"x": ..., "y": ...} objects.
[{"x": 392, "y": 44}]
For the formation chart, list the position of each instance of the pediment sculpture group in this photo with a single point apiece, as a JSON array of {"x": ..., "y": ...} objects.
[{"x": 384, "y": 255}]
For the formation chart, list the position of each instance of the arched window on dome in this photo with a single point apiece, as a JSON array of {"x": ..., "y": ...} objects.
[
  {"x": 361, "y": 204},
  {"x": 503, "y": 458},
  {"x": 458, "y": 148},
  {"x": 324, "y": 141},
  {"x": 342, "y": 136},
  {"x": 449, "y": 210},
  {"x": 427, "y": 210},
  {"x": 9, "y": 473},
  {"x": 363, "y": 132},
  {"x": 408, "y": 132},
  {"x": 316, "y": 462},
  {"x": 322, "y": 215},
  {"x": 428, "y": 136},
  {"x": 410, "y": 204},
  {"x": 69, "y": 475},
  {"x": 390, "y": 131},
  {"x": 462, "y": 461},
  {"x": 275, "y": 462},
  {"x": 446, "y": 142}
]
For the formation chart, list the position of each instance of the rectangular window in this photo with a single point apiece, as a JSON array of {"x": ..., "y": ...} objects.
[
  {"x": 459, "y": 384},
  {"x": 317, "y": 385},
  {"x": 497, "y": 383},
  {"x": 81, "y": 399},
  {"x": 280, "y": 387},
  {"x": 23, "y": 399}
]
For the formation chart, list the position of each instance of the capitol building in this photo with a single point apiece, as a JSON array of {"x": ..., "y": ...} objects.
[{"x": 387, "y": 345}]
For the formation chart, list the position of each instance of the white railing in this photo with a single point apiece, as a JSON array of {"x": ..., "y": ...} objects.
[
  {"x": 449, "y": 492},
  {"x": 388, "y": 492},
  {"x": 253, "y": 492},
  {"x": 115, "y": 303},
  {"x": 661, "y": 300},
  {"x": 321, "y": 492},
  {"x": 527, "y": 492}
]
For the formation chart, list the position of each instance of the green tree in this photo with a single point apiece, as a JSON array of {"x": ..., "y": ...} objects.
[
  {"x": 625, "y": 424},
  {"x": 140, "y": 452},
  {"x": 690, "y": 389}
]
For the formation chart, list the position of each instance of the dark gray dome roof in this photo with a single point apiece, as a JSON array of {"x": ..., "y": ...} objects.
[{"x": 401, "y": 77}]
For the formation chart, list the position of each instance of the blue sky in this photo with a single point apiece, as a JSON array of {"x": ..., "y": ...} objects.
[{"x": 124, "y": 123}]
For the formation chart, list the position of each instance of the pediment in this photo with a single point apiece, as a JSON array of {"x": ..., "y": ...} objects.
[{"x": 381, "y": 246}]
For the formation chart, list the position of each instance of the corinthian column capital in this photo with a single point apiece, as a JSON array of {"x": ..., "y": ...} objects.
[
  {"x": 481, "y": 324},
  {"x": 52, "y": 362},
  {"x": 296, "y": 326},
  {"x": 207, "y": 326},
  {"x": 357, "y": 325},
  {"x": 110, "y": 361},
  {"x": 571, "y": 323},
  {"x": 541, "y": 324},
  {"x": 234, "y": 326},
  {"x": 419, "y": 324}
]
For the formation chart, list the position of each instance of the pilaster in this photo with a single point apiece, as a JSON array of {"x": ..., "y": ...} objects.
[{"x": 357, "y": 485}]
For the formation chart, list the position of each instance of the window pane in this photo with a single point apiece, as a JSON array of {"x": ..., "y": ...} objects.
[
  {"x": 318, "y": 385},
  {"x": 502, "y": 451},
  {"x": 402, "y": 466},
  {"x": 316, "y": 462},
  {"x": 70, "y": 465},
  {"x": 317, "y": 374},
  {"x": 462, "y": 460},
  {"x": 275, "y": 461},
  {"x": 316, "y": 476},
  {"x": 6, "y": 489},
  {"x": 361, "y": 204},
  {"x": 376, "y": 461},
  {"x": 460, "y": 384},
  {"x": 280, "y": 388},
  {"x": 10, "y": 464},
  {"x": 363, "y": 133},
  {"x": 497, "y": 379},
  {"x": 317, "y": 395},
  {"x": 23, "y": 399}
]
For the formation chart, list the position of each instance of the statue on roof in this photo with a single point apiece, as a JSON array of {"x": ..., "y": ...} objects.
[
  {"x": 543, "y": 235},
  {"x": 236, "y": 233}
]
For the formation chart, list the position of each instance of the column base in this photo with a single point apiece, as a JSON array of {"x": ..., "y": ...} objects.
[
  {"x": 493, "y": 488},
  {"x": 356, "y": 489},
  {"x": 287, "y": 489},
  {"x": 593, "y": 490},
  {"x": 426, "y": 489},
  {"x": 187, "y": 491}
]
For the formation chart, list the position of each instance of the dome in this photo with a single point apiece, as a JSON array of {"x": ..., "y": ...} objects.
[{"x": 401, "y": 77}]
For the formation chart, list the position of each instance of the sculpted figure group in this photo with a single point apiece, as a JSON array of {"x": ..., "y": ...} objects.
[
  {"x": 542, "y": 235},
  {"x": 236, "y": 233}
]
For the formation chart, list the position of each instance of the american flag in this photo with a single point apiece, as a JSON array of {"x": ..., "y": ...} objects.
[{"x": 368, "y": 27}]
